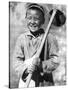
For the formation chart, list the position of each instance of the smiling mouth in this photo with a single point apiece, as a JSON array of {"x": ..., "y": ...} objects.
[{"x": 33, "y": 26}]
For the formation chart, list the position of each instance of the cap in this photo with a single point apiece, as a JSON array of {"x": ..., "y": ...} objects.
[{"x": 34, "y": 5}]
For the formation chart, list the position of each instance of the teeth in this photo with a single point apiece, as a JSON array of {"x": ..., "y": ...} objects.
[{"x": 33, "y": 26}]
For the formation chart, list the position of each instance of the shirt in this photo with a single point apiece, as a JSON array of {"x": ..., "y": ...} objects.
[{"x": 27, "y": 45}]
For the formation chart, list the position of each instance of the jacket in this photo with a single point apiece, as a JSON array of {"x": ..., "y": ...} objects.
[{"x": 26, "y": 46}]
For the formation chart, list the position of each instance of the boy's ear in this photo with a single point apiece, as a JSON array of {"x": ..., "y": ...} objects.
[
  {"x": 26, "y": 15},
  {"x": 43, "y": 20}
]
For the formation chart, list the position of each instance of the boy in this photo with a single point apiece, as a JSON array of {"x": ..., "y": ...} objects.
[{"x": 28, "y": 44}]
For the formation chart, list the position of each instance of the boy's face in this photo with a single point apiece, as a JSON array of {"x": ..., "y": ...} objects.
[{"x": 33, "y": 20}]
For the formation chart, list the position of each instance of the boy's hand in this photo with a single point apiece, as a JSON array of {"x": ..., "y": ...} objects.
[
  {"x": 32, "y": 64},
  {"x": 49, "y": 66}
]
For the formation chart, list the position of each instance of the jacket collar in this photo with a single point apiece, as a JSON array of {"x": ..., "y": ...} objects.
[{"x": 36, "y": 34}]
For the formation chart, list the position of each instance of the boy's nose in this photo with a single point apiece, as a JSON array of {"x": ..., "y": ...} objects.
[{"x": 32, "y": 20}]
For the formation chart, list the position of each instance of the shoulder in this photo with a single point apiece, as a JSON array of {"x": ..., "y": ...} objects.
[
  {"x": 22, "y": 36},
  {"x": 50, "y": 37}
]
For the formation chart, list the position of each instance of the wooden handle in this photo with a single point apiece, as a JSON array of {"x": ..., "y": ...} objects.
[
  {"x": 28, "y": 80},
  {"x": 46, "y": 33},
  {"x": 41, "y": 46}
]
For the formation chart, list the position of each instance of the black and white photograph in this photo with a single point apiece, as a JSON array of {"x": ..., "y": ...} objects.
[{"x": 37, "y": 44}]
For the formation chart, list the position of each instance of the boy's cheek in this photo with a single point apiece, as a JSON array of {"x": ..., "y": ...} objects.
[{"x": 27, "y": 21}]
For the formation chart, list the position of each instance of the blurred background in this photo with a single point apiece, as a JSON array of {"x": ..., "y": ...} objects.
[{"x": 17, "y": 23}]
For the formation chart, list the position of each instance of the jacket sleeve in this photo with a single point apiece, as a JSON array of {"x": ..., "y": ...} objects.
[
  {"x": 18, "y": 57},
  {"x": 52, "y": 63}
]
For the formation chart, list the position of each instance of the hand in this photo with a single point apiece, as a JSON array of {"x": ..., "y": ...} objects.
[
  {"x": 49, "y": 66},
  {"x": 32, "y": 64}
]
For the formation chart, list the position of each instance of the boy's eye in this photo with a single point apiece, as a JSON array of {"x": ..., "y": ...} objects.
[
  {"x": 29, "y": 17},
  {"x": 34, "y": 18}
]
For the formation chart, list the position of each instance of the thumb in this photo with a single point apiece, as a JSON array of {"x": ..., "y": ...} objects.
[{"x": 36, "y": 61}]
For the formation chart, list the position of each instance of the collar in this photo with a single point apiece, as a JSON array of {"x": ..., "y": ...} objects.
[
  {"x": 30, "y": 35},
  {"x": 35, "y": 34}
]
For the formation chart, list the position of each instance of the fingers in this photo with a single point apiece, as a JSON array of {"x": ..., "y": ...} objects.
[
  {"x": 32, "y": 64},
  {"x": 36, "y": 61},
  {"x": 31, "y": 69}
]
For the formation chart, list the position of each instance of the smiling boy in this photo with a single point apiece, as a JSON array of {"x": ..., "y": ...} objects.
[{"x": 28, "y": 44}]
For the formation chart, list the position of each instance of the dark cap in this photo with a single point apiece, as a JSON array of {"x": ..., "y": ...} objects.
[{"x": 34, "y": 5}]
